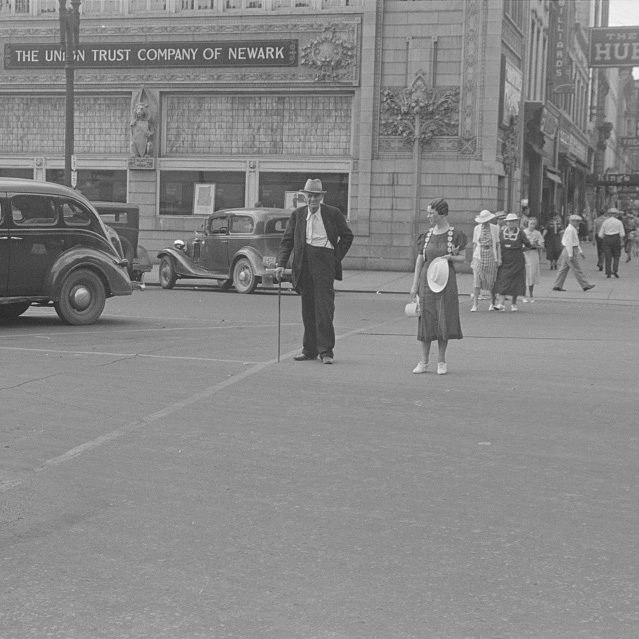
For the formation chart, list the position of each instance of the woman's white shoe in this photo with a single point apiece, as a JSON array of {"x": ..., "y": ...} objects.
[
  {"x": 420, "y": 368},
  {"x": 441, "y": 368}
]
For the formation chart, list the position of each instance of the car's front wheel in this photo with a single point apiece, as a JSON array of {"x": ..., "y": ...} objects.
[
  {"x": 82, "y": 298},
  {"x": 167, "y": 274},
  {"x": 11, "y": 311},
  {"x": 244, "y": 278}
]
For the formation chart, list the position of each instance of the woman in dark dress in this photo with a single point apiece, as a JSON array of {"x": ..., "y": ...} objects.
[
  {"x": 511, "y": 275},
  {"x": 439, "y": 318},
  {"x": 553, "y": 233}
]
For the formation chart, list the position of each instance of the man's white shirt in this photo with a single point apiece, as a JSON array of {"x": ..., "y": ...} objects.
[{"x": 315, "y": 230}]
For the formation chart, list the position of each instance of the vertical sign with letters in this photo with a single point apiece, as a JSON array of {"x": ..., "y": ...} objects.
[{"x": 560, "y": 64}]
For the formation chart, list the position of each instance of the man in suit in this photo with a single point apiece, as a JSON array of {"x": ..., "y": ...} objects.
[{"x": 319, "y": 238}]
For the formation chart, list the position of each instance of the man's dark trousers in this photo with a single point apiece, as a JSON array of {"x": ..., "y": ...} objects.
[
  {"x": 600, "y": 254},
  {"x": 612, "y": 252},
  {"x": 317, "y": 288}
]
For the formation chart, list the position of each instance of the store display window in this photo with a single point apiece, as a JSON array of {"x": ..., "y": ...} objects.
[
  {"x": 25, "y": 174},
  {"x": 96, "y": 184},
  {"x": 178, "y": 191},
  {"x": 276, "y": 188}
]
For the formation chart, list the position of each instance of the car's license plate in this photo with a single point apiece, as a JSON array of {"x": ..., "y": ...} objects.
[{"x": 268, "y": 260}]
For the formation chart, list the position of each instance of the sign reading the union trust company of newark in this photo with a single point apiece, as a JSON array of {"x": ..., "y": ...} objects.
[
  {"x": 269, "y": 53},
  {"x": 614, "y": 47}
]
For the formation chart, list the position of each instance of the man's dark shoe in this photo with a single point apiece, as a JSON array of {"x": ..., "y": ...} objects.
[
  {"x": 556, "y": 288},
  {"x": 327, "y": 360},
  {"x": 587, "y": 288},
  {"x": 303, "y": 357},
  {"x": 616, "y": 275}
]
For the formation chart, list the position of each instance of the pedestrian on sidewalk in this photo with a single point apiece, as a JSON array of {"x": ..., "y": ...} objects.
[
  {"x": 437, "y": 285},
  {"x": 552, "y": 237},
  {"x": 571, "y": 257},
  {"x": 630, "y": 228},
  {"x": 511, "y": 275},
  {"x": 533, "y": 269},
  {"x": 599, "y": 220},
  {"x": 486, "y": 257},
  {"x": 612, "y": 233},
  {"x": 319, "y": 238}
]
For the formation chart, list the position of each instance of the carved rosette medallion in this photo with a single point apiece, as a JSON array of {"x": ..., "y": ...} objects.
[{"x": 329, "y": 56}]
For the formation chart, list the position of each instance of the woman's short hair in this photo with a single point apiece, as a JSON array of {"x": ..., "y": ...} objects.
[
  {"x": 532, "y": 219},
  {"x": 439, "y": 205}
]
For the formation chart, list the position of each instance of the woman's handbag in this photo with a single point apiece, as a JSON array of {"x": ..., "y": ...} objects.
[{"x": 412, "y": 309}]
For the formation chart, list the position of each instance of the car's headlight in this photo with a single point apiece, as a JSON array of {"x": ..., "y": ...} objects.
[{"x": 179, "y": 245}]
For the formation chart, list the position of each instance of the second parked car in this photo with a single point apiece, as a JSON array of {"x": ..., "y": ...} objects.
[{"x": 237, "y": 247}]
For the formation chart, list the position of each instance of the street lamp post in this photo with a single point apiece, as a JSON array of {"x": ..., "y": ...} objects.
[{"x": 69, "y": 13}]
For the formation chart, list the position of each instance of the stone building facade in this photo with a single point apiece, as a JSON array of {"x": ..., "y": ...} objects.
[{"x": 390, "y": 102}]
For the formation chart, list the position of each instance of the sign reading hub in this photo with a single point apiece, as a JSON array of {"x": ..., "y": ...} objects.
[{"x": 280, "y": 53}]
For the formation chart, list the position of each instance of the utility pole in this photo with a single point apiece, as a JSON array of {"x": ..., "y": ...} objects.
[{"x": 69, "y": 13}]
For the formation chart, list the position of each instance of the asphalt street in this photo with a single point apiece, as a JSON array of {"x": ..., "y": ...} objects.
[{"x": 163, "y": 475}]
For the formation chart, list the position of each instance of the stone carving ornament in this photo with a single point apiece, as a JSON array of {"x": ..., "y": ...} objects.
[
  {"x": 328, "y": 55},
  {"x": 434, "y": 110}
]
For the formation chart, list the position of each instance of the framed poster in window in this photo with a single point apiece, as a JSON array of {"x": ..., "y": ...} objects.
[
  {"x": 294, "y": 199},
  {"x": 204, "y": 199}
]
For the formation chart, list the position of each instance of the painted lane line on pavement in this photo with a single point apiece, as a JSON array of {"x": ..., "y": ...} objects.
[
  {"x": 129, "y": 355},
  {"x": 180, "y": 405},
  {"x": 157, "y": 330}
]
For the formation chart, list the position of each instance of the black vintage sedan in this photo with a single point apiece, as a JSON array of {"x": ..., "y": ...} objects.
[
  {"x": 237, "y": 247},
  {"x": 55, "y": 250}
]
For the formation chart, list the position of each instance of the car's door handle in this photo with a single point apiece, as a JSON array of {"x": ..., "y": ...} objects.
[{"x": 16, "y": 237}]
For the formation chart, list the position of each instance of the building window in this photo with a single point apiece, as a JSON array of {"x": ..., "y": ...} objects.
[
  {"x": 11, "y": 7},
  {"x": 25, "y": 174},
  {"x": 258, "y": 124},
  {"x": 274, "y": 186},
  {"x": 177, "y": 190},
  {"x": 96, "y": 185},
  {"x": 514, "y": 9}
]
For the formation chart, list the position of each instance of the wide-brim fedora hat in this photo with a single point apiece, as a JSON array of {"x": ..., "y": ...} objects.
[
  {"x": 313, "y": 186},
  {"x": 484, "y": 216},
  {"x": 511, "y": 217},
  {"x": 437, "y": 274}
]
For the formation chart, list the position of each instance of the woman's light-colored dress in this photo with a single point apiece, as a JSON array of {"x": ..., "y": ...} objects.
[{"x": 533, "y": 270}]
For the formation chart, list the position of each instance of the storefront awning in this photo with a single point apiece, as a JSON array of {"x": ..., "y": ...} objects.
[{"x": 553, "y": 176}]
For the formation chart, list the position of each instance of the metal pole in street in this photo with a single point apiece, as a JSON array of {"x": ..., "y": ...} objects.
[{"x": 69, "y": 38}]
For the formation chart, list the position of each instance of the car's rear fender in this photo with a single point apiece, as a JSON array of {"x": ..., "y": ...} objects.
[
  {"x": 253, "y": 256},
  {"x": 113, "y": 273},
  {"x": 143, "y": 260}
]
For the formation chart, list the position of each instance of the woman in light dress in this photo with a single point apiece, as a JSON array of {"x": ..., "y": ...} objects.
[
  {"x": 486, "y": 257},
  {"x": 533, "y": 270}
]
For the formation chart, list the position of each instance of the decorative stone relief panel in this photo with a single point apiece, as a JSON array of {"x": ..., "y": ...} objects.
[
  {"x": 265, "y": 125},
  {"x": 37, "y": 125}
]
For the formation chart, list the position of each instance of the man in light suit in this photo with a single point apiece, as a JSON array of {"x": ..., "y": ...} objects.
[{"x": 319, "y": 238}]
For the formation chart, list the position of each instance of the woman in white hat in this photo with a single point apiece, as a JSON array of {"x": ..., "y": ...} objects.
[
  {"x": 486, "y": 256},
  {"x": 440, "y": 248},
  {"x": 533, "y": 270},
  {"x": 511, "y": 275}
]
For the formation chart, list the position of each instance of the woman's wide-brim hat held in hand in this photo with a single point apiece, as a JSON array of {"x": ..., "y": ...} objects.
[
  {"x": 484, "y": 216},
  {"x": 313, "y": 187},
  {"x": 437, "y": 274}
]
